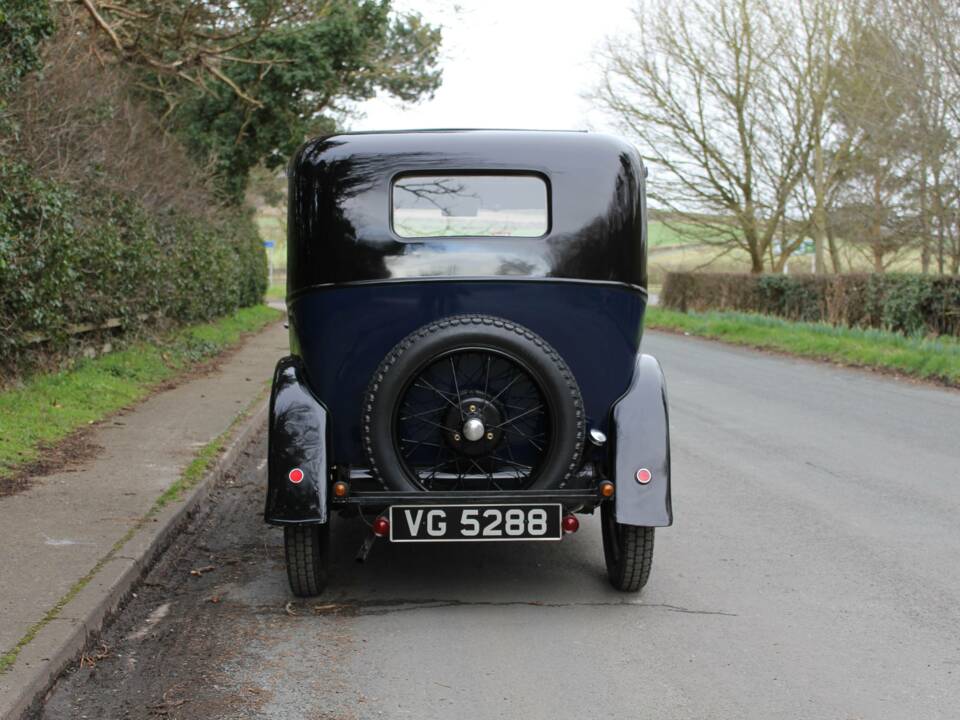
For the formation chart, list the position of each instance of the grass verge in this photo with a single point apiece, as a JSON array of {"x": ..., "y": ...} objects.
[
  {"x": 191, "y": 476},
  {"x": 277, "y": 291},
  {"x": 928, "y": 358},
  {"x": 48, "y": 407}
]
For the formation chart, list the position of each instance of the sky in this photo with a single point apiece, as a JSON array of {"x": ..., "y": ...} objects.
[{"x": 509, "y": 64}]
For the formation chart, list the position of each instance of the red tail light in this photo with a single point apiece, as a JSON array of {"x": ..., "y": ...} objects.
[
  {"x": 381, "y": 527},
  {"x": 570, "y": 523}
]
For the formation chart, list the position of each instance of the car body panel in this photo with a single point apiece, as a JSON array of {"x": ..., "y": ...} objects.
[
  {"x": 342, "y": 334},
  {"x": 297, "y": 440},
  {"x": 339, "y": 224},
  {"x": 641, "y": 441}
]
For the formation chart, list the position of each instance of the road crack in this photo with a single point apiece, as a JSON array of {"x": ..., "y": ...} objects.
[{"x": 361, "y": 608}]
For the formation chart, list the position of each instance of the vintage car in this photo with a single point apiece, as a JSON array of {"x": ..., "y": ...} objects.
[{"x": 465, "y": 311}]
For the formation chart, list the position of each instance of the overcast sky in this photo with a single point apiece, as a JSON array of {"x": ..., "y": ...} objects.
[{"x": 509, "y": 64}]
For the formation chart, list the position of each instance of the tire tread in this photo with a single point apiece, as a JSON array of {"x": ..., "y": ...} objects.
[
  {"x": 628, "y": 550},
  {"x": 306, "y": 551}
]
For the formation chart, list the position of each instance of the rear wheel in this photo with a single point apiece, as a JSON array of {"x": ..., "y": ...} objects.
[
  {"x": 308, "y": 557},
  {"x": 628, "y": 551}
]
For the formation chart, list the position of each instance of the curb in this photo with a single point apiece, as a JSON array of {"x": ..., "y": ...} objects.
[{"x": 62, "y": 640}]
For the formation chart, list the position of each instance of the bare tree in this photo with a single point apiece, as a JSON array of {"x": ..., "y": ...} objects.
[
  {"x": 702, "y": 88},
  {"x": 875, "y": 102},
  {"x": 819, "y": 30},
  {"x": 928, "y": 31}
]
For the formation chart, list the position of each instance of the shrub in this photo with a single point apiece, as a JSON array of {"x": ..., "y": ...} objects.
[
  {"x": 907, "y": 303},
  {"x": 70, "y": 258},
  {"x": 23, "y": 25}
]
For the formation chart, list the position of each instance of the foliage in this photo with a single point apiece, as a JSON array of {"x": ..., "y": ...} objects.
[
  {"x": 183, "y": 40},
  {"x": 69, "y": 258},
  {"x": 23, "y": 25},
  {"x": 124, "y": 225},
  {"x": 933, "y": 359},
  {"x": 901, "y": 302},
  {"x": 354, "y": 49},
  {"x": 244, "y": 83},
  {"x": 49, "y": 406}
]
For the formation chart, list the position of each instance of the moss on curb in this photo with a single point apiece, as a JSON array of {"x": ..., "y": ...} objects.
[{"x": 190, "y": 478}]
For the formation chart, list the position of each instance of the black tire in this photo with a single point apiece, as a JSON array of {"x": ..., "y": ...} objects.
[
  {"x": 628, "y": 551},
  {"x": 308, "y": 558},
  {"x": 473, "y": 333}
]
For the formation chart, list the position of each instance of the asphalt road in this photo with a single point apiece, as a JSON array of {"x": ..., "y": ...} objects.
[{"x": 813, "y": 572}]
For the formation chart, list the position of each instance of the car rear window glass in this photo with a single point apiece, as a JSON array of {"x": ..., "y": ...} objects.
[{"x": 470, "y": 206}]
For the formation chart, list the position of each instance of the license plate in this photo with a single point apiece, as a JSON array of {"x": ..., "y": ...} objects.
[{"x": 474, "y": 523}]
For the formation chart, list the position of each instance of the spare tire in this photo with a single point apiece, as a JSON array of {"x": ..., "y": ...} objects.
[{"x": 473, "y": 402}]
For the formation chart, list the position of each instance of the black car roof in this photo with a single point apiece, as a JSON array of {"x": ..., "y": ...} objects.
[{"x": 340, "y": 231}]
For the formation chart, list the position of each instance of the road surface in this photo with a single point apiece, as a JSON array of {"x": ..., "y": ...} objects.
[{"x": 813, "y": 572}]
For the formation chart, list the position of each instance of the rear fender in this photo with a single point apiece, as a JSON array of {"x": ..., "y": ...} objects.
[
  {"x": 641, "y": 441},
  {"x": 297, "y": 440}
]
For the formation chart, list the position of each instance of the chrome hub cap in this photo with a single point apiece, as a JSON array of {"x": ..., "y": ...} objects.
[{"x": 473, "y": 429}]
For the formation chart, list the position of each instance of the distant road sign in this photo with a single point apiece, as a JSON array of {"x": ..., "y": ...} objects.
[{"x": 268, "y": 243}]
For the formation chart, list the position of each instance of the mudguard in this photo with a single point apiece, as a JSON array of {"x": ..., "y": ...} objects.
[
  {"x": 297, "y": 440},
  {"x": 641, "y": 441}
]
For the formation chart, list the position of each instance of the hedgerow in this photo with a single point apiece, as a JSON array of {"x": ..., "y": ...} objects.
[
  {"x": 907, "y": 303},
  {"x": 71, "y": 256}
]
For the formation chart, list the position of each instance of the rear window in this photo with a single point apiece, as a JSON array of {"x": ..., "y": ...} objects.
[{"x": 470, "y": 206}]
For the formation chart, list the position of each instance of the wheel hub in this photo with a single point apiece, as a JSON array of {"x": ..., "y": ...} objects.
[
  {"x": 478, "y": 419},
  {"x": 473, "y": 429}
]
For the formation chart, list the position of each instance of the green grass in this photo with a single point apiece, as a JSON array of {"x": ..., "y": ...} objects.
[
  {"x": 48, "y": 407},
  {"x": 197, "y": 468},
  {"x": 277, "y": 291},
  {"x": 193, "y": 474},
  {"x": 928, "y": 358},
  {"x": 663, "y": 234},
  {"x": 273, "y": 227}
]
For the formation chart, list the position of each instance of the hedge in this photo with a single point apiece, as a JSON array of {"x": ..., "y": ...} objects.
[
  {"x": 907, "y": 303},
  {"x": 23, "y": 25},
  {"x": 70, "y": 257}
]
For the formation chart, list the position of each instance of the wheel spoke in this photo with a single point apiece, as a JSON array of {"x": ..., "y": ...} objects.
[
  {"x": 421, "y": 414},
  {"x": 438, "y": 392},
  {"x": 456, "y": 387},
  {"x": 417, "y": 444},
  {"x": 436, "y": 466},
  {"x": 512, "y": 420},
  {"x": 509, "y": 384},
  {"x": 486, "y": 378},
  {"x": 528, "y": 438},
  {"x": 499, "y": 385},
  {"x": 511, "y": 462},
  {"x": 438, "y": 425}
]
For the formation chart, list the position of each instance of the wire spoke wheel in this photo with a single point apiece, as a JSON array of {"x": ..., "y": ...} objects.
[
  {"x": 473, "y": 403},
  {"x": 473, "y": 419}
]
